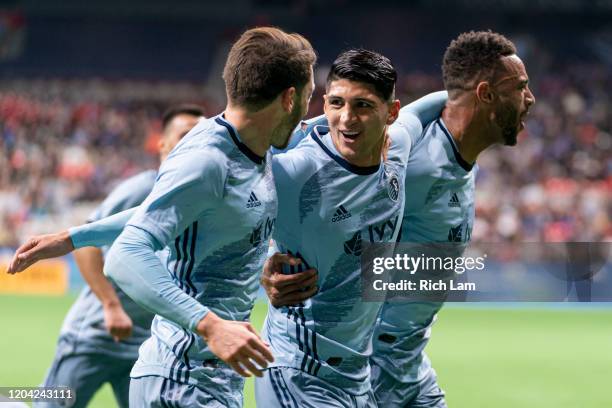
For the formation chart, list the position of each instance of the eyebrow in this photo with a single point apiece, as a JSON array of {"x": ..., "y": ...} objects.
[
  {"x": 511, "y": 77},
  {"x": 365, "y": 100},
  {"x": 360, "y": 99}
]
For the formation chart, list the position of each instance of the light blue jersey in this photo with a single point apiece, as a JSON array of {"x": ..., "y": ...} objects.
[
  {"x": 439, "y": 208},
  {"x": 87, "y": 356},
  {"x": 208, "y": 221},
  {"x": 328, "y": 209},
  {"x": 84, "y": 324}
]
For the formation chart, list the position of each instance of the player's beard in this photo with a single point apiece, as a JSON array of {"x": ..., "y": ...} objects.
[
  {"x": 282, "y": 134},
  {"x": 508, "y": 119}
]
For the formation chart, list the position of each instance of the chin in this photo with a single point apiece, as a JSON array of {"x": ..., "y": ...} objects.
[
  {"x": 510, "y": 137},
  {"x": 510, "y": 141},
  {"x": 283, "y": 143},
  {"x": 281, "y": 146}
]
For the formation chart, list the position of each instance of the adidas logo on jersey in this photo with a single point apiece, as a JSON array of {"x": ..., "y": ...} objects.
[
  {"x": 341, "y": 214},
  {"x": 454, "y": 201},
  {"x": 253, "y": 201}
]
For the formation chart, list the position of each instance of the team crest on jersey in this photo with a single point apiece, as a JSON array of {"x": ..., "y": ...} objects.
[
  {"x": 353, "y": 245},
  {"x": 393, "y": 187},
  {"x": 455, "y": 233},
  {"x": 459, "y": 234}
]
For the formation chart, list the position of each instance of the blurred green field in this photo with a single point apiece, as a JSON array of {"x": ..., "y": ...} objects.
[{"x": 504, "y": 358}]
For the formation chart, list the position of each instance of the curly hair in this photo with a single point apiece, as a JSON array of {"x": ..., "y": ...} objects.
[{"x": 473, "y": 57}]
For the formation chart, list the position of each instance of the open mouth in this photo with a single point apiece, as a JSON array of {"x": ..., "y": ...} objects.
[
  {"x": 352, "y": 135},
  {"x": 522, "y": 119}
]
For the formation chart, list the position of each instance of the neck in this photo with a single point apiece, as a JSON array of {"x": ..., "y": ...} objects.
[
  {"x": 255, "y": 128},
  {"x": 468, "y": 126}
]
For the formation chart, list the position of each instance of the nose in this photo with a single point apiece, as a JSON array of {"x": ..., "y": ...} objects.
[
  {"x": 347, "y": 117},
  {"x": 529, "y": 98}
]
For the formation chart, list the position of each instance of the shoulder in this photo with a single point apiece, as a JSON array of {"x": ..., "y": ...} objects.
[
  {"x": 301, "y": 132},
  {"x": 300, "y": 162},
  {"x": 141, "y": 181},
  {"x": 411, "y": 126},
  {"x": 127, "y": 194},
  {"x": 204, "y": 164},
  {"x": 401, "y": 141}
]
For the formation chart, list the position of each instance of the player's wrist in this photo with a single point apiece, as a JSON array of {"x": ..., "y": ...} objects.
[
  {"x": 207, "y": 326},
  {"x": 65, "y": 238},
  {"x": 112, "y": 305}
]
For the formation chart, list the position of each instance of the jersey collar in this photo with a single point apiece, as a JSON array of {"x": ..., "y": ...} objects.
[
  {"x": 241, "y": 146},
  {"x": 464, "y": 164},
  {"x": 318, "y": 132}
]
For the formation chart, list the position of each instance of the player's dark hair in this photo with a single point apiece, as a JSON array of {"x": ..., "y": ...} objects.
[
  {"x": 473, "y": 57},
  {"x": 263, "y": 63},
  {"x": 368, "y": 67},
  {"x": 183, "y": 109}
]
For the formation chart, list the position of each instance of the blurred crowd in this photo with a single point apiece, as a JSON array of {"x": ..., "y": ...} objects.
[{"x": 65, "y": 143}]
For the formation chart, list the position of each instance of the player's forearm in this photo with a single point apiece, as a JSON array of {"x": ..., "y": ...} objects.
[
  {"x": 427, "y": 108},
  {"x": 131, "y": 263},
  {"x": 102, "y": 232},
  {"x": 91, "y": 263}
]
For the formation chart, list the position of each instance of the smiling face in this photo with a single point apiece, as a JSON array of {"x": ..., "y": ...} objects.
[
  {"x": 514, "y": 98},
  {"x": 358, "y": 118}
]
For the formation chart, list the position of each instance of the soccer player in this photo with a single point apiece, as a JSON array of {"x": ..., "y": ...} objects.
[
  {"x": 208, "y": 220},
  {"x": 360, "y": 96},
  {"x": 335, "y": 193},
  {"x": 100, "y": 336},
  {"x": 488, "y": 99}
]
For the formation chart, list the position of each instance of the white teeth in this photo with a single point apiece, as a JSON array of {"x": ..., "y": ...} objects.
[{"x": 350, "y": 133}]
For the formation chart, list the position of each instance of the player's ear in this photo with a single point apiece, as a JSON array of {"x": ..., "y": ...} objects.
[
  {"x": 288, "y": 99},
  {"x": 394, "y": 108},
  {"x": 484, "y": 92}
]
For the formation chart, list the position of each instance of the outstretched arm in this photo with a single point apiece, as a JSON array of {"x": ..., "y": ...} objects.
[
  {"x": 99, "y": 233},
  {"x": 426, "y": 108},
  {"x": 132, "y": 264}
]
